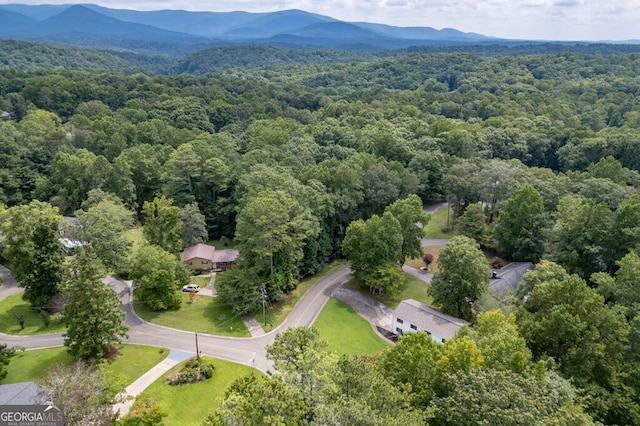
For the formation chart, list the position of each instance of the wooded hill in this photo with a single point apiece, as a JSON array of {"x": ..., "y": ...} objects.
[
  {"x": 301, "y": 152},
  {"x": 171, "y": 31}
]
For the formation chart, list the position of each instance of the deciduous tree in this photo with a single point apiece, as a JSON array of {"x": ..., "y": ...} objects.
[
  {"x": 412, "y": 362},
  {"x": 103, "y": 225},
  {"x": 256, "y": 399},
  {"x": 158, "y": 275},
  {"x": 567, "y": 320},
  {"x": 410, "y": 214},
  {"x": 581, "y": 236},
  {"x": 162, "y": 224},
  {"x": 502, "y": 346},
  {"x": 462, "y": 278},
  {"x": 271, "y": 230},
  {"x": 488, "y": 396},
  {"x": 473, "y": 222},
  {"x": 520, "y": 228},
  {"x": 85, "y": 391},
  {"x": 374, "y": 246}
]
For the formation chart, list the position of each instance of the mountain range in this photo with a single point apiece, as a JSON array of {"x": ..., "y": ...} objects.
[{"x": 179, "y": 31}]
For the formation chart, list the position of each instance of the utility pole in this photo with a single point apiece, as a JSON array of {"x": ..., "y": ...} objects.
[
  {"x": 264, "y": 304},
  {"x": 197, "y": 349}
]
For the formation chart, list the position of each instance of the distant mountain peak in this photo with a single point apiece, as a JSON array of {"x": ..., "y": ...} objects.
[{"x": 92, "y": 25}]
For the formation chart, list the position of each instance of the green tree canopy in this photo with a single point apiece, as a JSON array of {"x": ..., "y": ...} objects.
[
  {"x": 410, "y": 214},
  {"x": 462, "y": 277},
  {"x": 33, "y": 251},
  {"x": 373, "y": 247},
  {"x": 92, "y": 312},
  {"x": 520, "y": 228},
  {"x": 162, "y": 224},
  {"x": 485, "y": 396},
  {"x": 581, "y": 236},
  {"x": 194, "y": 225},
  {"x": 567, "y": 320},
  {"x": 473, "y": 222},
  {"x": 158, "y": 275},
  {"x": 103, "y": 226},
  {"x": 271, "y": 230},
  {"x": 412, "y": 362},
  {"x": 5, "y": 356},
  {"x": 502, "y": 346}
]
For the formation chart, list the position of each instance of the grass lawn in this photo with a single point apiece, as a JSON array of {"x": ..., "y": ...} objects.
[
  {"x": 346, "y": 331},
  {"x": 131, "y": 362},
  {"x": 32, "y": 365},
  {"x": 414, "y": 288},
  {"x": 205, "y": 315},
  {"x": 222, "y": 243},
  {"x": 14, "y": 305},
  {"x": 136, "y": 237},
  {"x": 437, "y": 224},
  {"x": 282, "y": 309},
  {"x": 201, "y": 281},
  {"x": 418, "y": 263},
  {"x": 189, "y": 404}
]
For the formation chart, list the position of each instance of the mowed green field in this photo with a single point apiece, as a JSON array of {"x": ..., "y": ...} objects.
[
  {"x": 13, "y": 306},
  {"x": 203, "y": 314},
  {"x": 131, "y": 362},
  {"x": 189, "y": 404},
  {"x": 346, "y": 332}
]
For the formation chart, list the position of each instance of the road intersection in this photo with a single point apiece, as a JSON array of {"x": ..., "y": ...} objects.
[{"x": 250, "y": 350}]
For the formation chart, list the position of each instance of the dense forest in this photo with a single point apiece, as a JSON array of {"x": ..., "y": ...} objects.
[{"x": 284, "y": 158}]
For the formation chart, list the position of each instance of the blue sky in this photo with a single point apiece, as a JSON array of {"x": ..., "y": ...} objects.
[{"x": 525, "y": 19}]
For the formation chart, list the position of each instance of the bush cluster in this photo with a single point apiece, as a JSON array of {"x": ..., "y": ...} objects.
[{"x": 194, "y": 370}]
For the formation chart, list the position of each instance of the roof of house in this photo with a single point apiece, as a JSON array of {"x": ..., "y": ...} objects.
[
  {"x": 201, "y": 251},
  {"x": 508, "y": 278},
  {"x": 24, "y": 393},
  {"x": 429, "y": 319},
  {"x": 226, "y": 255}
]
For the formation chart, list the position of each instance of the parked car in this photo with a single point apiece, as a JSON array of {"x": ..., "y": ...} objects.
[{"x": 191, "y": 287}]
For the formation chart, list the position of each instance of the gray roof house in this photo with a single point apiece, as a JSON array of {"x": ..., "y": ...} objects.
[
  {"x": 411, "y": 315},
  {"x": 506, "y": 280},
  {"x": 24, "y": 393}
]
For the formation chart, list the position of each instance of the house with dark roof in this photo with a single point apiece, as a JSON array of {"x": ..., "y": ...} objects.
[
  {"x": 203, "y": 257},
  {"x": 24, "y": 393},
  {"x": 411, "y": 316},
  {"x": 505, "y": 281}
]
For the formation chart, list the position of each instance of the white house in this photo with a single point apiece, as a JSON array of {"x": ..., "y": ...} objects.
[{"x": 411, "y": 315}]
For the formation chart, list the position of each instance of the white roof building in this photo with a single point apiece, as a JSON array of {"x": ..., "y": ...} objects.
[{"x": 411, "y": 315}]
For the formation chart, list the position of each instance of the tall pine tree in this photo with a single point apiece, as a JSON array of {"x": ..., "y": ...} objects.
[{"x": 92, "y": 313}]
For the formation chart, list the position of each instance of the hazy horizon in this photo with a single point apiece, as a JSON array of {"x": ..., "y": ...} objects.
[{"x": 563, "y": 20}]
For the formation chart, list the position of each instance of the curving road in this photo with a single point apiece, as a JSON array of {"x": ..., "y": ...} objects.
[{"x": 250, "y": 351}]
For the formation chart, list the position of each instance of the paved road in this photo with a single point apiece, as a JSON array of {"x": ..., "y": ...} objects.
[
  {"x": 9, "y": 285},
  {"x": 430, "y": 208},
  {"x": 423, "y": 275},
  {"x": 250, "y": 351}
]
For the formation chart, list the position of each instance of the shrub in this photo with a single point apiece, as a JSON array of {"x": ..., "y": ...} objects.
[
  {"x": 496, "y": 263},
  {"x": 194, "y": 370}
]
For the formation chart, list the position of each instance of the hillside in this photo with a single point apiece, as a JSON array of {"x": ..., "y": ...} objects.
[{"x": 178, "y": 31}]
